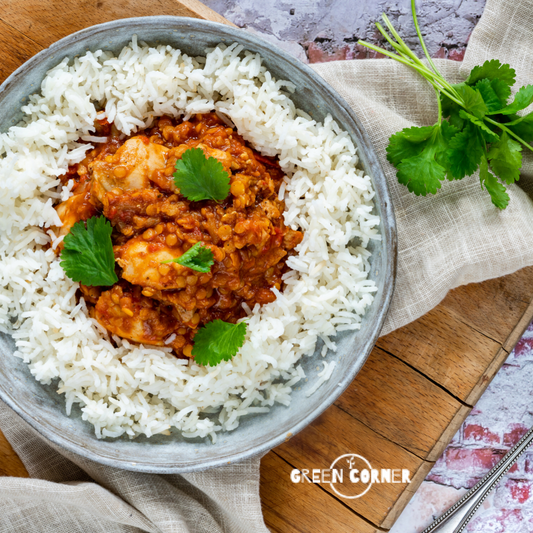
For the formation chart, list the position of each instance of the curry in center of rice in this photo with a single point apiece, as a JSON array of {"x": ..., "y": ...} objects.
[{"x": 130, "y": 181}]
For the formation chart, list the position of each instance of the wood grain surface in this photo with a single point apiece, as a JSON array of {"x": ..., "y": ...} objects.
[
  {"x": 402, "y": 405},
  {"x": 412, "y": 395},
  {"x": 45, "y": 21}
]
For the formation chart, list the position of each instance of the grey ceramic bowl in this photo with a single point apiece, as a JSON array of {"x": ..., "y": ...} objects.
[{"x": 44, "y": 409}]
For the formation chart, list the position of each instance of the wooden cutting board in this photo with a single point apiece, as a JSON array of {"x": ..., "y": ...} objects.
[{"x": 412, "y": 395}]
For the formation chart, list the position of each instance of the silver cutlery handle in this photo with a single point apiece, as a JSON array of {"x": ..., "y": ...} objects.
[{"x": 457, "y": 517}]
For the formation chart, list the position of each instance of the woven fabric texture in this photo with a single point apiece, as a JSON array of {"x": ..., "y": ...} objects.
[{"x": 456, "y": 236}]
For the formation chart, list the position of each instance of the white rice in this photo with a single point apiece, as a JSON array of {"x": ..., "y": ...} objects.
[
  {"x": 136, "y": 389},
  {"x": 323, "y": 376}
]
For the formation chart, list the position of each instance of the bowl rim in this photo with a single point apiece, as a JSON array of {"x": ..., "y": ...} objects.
[{"x": 388, "y": 231}]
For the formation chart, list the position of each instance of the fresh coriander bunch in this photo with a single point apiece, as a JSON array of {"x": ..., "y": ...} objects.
[{"x": 482, "y": 130}]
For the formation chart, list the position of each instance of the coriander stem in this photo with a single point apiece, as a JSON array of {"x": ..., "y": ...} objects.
[
  {"x": 395, "y": 34},
  {"x": 418, "y": 32},
  {"x": 439, "y": 120},
  {"x": 404, "y": 51},
  {"x": 410, "y": 53},
  {"x": 395, "y": 45},
  {"x": 513, "y": 122},
  {"x": 401, "y": 58},
  {"x": 502, "y": 127},
  {"x": 446, "y": 93},
  {"x": 422, "y": 70},
  {"x": 417, "y": 28}
]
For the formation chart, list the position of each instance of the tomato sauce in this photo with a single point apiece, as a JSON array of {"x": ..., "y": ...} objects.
[{"x": 130, "y": 181}]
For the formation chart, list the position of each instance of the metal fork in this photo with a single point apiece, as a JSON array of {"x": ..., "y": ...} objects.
[{"x": 455, "y": 519}]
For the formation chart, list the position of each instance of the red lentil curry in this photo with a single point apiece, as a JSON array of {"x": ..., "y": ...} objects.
[{"x": 130, "y": 181}]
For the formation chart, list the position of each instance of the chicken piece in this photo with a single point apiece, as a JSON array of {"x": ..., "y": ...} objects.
[
  {"x": 142, "y": 264},
  {"x": 125, "y": 312},
  {"x": 254, "y": 230},
  {"x": 76, "y": 208},
  {"x": 264, "y": 261},
  {"x": 130, "y": 168},
  {"x": 272, "y": 208},
  {"x": 224, "y": 157},
  {"x": 165, "y": 181},
  {"x": 292, "y": 239},
  {"x": 192, "y": 311}
]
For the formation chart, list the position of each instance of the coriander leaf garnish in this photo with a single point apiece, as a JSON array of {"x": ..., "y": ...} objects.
[
  {"x": 472, "y": 101},
  {"x": 87, "y": 255},
  {"x": 419, "y": 153},
  {"x": 421, "y": 173},
  {"x": 465, "y": 152},
  {"x": 476, "y": 126},
  {"x": 497, "y": 192},
  {"x": 506, "y": 159},
  {"x": 451, "y": 110},
  {"x": 218, "y": 341},
  {"x": 489, "y": 95},
  {"x": 522, "y": 126},
  {"x": 492, "y": 70},
  {"x": 200, "y": 178},
  {"x": 485, "y": 130},
  {"x": 198, "y": 257},
  {"x": 407, "y": 144},
  {"x": 522, "y": 99},
  {"x": 502, "y": 89}
]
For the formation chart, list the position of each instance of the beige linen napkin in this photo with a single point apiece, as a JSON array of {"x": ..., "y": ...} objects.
[
  {"x": 447, "y": 240},
  {"x": 457, "y": 236},
  {"x": 70, "y": 494}
]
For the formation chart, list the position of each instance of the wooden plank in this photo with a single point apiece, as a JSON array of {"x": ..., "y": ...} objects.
[
  {"x": 10, "y": 464},
  {"x": 402, "y": 405},
  {"x": 14, "y": 55},
  {"x": 336, "y": 433},
  {"x": 443, "y": 348},
  {"x": 46, "y": 21},
  {"x": 459, "y": 343},
  {"x": 496, "y": 306},
  {"x": 520, "y": 328},
  {"x": 302, "y": 508},
  {"x": 501, "y": 356},
  {"x": 447, "y": 435}
]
